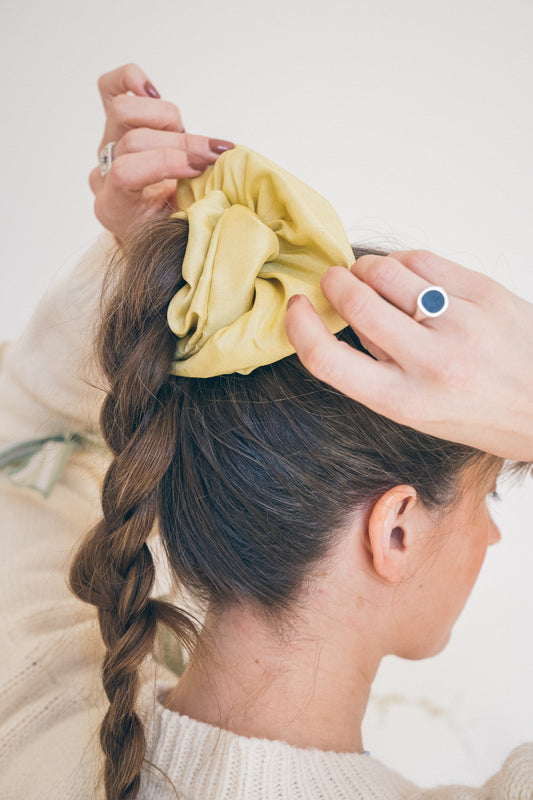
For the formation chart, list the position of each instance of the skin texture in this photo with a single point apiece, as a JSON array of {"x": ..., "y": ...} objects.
[
  {"x": 152, "y": 152},
  {"x": 466, "y": 376},
  {"x": 395, "y": 583}
]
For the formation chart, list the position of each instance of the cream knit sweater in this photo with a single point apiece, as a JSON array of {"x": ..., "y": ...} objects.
[{"x": 51, "y": 701}]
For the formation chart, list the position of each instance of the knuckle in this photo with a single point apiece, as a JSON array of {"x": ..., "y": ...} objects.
[
  {"x": 100, "y": 210},
  {"x": 318, "y": 360},
  {"x": 175, "y": 116},
  {"x": 353, "y": 304},
  {"x": 451, "y": 371},
  {"x": 104, "y": 79},
  {"x": 350, "y": 297},
  {"x": 118, "y": 173},
  {"x": 381, "y": 271},
  {"x": 130, "y": 70},
  {"x": 118, "y": 106},
  {"x": 93, "y": 179},
  {"x": 168, "y": 159},
  {"x": 131, "y": 140},
  {"x": 365, "y": 261},
  {"x": 422, "y": 258}
]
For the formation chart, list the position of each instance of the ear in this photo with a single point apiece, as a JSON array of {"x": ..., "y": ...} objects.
[{"x": 391, "y": 528}]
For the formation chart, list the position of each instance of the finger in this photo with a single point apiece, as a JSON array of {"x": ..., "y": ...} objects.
[
  {"x": 343, "y": 367},
  {"x": 127, "y": 112},
  {"x": 128, "y": 78},
  {"x": 369, "y": 314},
  {"x": 166, "y": 195},
  {"x": 391, "y": 279},
  {"x": 455, "y": 279},
  {"x": 141, "y": 139},
  {"x": 136, "y": 171}
]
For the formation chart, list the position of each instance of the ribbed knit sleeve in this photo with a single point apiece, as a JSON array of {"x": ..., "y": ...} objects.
[
  {"x": 51, "y": 701},
  {"x": 49, "y": 383},
  {"x": 514, "y": 781}
]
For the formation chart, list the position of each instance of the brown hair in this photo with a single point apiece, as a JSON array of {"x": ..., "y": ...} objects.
[{"x": 249, "y": 479}]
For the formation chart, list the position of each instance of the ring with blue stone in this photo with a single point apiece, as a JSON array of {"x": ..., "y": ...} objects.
[{"x": 431, "y": 302}]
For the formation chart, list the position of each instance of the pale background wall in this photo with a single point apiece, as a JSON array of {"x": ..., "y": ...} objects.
[{"x": 415, "y": 120}]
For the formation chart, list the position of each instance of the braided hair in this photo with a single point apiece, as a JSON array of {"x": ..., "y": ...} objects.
[{"x": 249, "y": 479}]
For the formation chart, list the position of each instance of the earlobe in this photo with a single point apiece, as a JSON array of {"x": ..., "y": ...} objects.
[{"x": 389, "y": 532}]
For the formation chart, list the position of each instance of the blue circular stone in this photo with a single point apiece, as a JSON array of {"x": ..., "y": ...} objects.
[{"x": 433, "y": 301}]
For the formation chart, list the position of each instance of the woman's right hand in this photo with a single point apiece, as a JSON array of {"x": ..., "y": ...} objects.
[
  {"x": 152, "y": 151},
  {"x": 466, "y": 376}
]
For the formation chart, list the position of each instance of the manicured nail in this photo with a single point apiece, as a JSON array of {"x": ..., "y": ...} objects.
[
  {"x": 150, "y": 89},
  {"x": 219, "y": 146},
  {"x": 196, "y": 161},
  {"x": 293, "y": 299}
]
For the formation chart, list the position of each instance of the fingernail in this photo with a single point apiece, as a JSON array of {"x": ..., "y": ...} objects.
[
  {"x": 219, "y": 146},
  {"x": 150, "y": 89},
  {"x": 196, "y": 161},
  {"x": 293, "y": 299}
]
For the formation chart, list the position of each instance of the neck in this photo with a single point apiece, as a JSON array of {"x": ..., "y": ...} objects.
[{"x": 310, "y": 690}]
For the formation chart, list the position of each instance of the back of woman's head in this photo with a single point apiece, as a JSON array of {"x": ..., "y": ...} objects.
[{"x": 250, "y": 479}]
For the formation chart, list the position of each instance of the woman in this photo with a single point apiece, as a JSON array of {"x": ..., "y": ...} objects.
[{"x": 316, "y": 535}]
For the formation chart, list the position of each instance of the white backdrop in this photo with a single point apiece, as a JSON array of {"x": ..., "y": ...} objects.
[{"x": 415, "y": 120}]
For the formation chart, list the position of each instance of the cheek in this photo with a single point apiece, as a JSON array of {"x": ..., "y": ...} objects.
[
  {"x": 469, "y": 560},
  {"x": 476, "y": 552},
  {"x": 472, "y": 567},
  {"x": 446, "y": 588},
  {"x": 483, "y": 532},
  {"x": 445, "y": 583}
]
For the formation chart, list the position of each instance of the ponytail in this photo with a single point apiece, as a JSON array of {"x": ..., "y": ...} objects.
[{"x": 113, "y": 569}]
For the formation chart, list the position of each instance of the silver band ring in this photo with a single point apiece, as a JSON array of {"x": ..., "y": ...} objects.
[
  {"x": 106, "y": 157},
  {"x": 431, "y": 302}
]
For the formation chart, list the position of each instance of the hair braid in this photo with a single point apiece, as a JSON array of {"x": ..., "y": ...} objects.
[
  {"x": 251, "y": 480},
  {"x": 113, "y": 568}
]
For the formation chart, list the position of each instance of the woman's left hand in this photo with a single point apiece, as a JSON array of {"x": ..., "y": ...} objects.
[
  {"x": 466, "y": 376},
  {"x": 151, "y": 152}
]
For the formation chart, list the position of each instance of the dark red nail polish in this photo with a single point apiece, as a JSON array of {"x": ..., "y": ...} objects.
[
  {"x": 292, "y": 300},
  {"x": 150, "y": 89},
  {"x": 196, "y": 161},
  {"x": 219, "y": 146}
]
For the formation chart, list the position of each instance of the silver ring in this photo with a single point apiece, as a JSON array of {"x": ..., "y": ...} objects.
[
  {"x": 431, "y": 302},
  {"x": 106, "y": 157}
]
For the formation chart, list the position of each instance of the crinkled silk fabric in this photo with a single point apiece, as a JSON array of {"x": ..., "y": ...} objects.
[{"x": 257, "y": 236}]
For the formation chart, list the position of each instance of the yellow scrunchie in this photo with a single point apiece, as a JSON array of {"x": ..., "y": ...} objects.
[{"x": 257, "y": 236}]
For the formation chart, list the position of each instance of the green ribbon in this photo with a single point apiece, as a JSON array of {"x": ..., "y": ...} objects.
[{"x": 39, "y": 463}]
